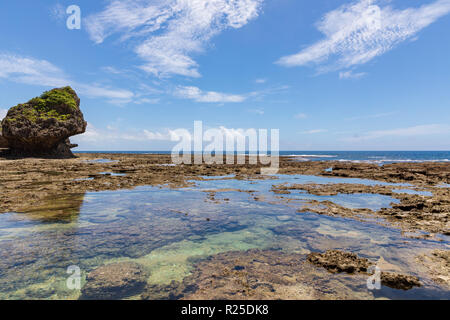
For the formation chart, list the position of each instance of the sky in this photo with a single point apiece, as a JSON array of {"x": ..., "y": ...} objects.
[{"x": 330, "y": 75}]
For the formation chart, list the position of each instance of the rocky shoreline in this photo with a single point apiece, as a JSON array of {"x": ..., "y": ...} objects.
[
  {"x": 41, "y": 181},
  {"x": 427, "y": 212},
  {"x": 37, "y": 179}
]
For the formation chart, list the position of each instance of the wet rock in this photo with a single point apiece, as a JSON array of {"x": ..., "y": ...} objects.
[
  {"x": 427, "y": 173},
  {"x": 337, "y": 261},
  {"x": 414, "y": 213},
  {"x": 265, "y": 275},
  {"x": 399, "y": 281},
  {"x": 438, "y": 265},
  {"x": 114, "y": 281},
  {"x": 43, "y": 125},
  {"x": 173, "y": 291}
]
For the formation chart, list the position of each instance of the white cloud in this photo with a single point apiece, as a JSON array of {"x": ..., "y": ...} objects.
[
  {"x": 198, "y": 95},
  {"x": 257, "y": 111},
  {"x": 372, "y": 116},
  {"x": 102, "y": 92},
  {"x": 43, "y": 73},
  {"x": 261, "y": 80},
  {"x": 351, "y": 75},
  {"x": 3, "y": 113},
  {"x": 158, "y": 135},
  {"x": 91, "y": 134},
  {"x": 301, "y": 116},
  {"x": 358, "y": 32},
  {"x": 170, "y": 31},
  {"x": 31, "y": 71},
  {"x": 113, "y": 134},
  {"x": 112, "y": 70},
  {"x": 147, "y": 101},
  {"x": 314, "y": 131},
  {"x": 231, "y": 133},
  {"x": 416, "y": 131}
]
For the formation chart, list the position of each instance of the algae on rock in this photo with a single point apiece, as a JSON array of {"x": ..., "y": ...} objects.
[{"x": 43, "y": 125}]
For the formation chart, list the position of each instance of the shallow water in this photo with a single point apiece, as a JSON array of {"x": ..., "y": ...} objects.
[
  {"x": 113, "y": 174},
  {"x": 409, "y": 191},
  {"x": 102, "y": 161},
  {"x": 168, "y": 231},
  {"x": 354, "y": 201}
]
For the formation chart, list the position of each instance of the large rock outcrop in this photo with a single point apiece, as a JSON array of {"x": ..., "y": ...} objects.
[{"x": 43, "y": 125}]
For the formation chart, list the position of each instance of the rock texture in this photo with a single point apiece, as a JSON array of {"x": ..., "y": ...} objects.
[
  {"x": 438, "y": 265},
  {"x": 399, "y": 281},
  {"x": 3, "y": 142},
  {"x": 415, "y": 212},
  {"x": 267, "y": 274},
  {"x": 261, "y": 275},
  {"x": 43, "y": 125},
  {"x": 114, "y": 281},
  {"x": 337, "y": 261}
]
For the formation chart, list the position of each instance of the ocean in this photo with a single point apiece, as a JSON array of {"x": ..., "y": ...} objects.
[{"x": 379, "y": 157}]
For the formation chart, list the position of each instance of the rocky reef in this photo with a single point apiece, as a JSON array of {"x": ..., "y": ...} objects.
[
  {"x": 438, "y": 265},
  {"x": 336, "y": 261},
  {"x": 114, "y": 281},
  {"x": 259, "y": 275},
  {"x": 43, "y": 125}
]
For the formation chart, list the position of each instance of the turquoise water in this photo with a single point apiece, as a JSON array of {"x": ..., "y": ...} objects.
[{"x": 169, "y": 230}]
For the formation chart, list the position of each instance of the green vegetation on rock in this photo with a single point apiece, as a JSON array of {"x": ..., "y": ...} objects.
[{"x": 45, "y": 107}]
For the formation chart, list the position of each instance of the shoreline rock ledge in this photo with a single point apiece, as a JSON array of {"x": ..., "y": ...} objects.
[{"x": 43, "y": 125}]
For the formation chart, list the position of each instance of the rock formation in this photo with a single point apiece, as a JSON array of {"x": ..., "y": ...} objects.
[
  {"x": 43, "y": 125},
  {"x": 337, "y": 261}
]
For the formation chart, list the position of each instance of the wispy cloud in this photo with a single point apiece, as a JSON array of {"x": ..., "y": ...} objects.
[
  {"x": 314, "y": 131},
  {"x": 301, "y": 116},
  {"x": 261, "y": 80},
  {"x": 358, "y": 32},
  {"x": 196, "y": 94},
  {"x": 31, "y": 71},
  {"x": 37, "y": 72},
  {"x": 256, "y": 111},
  {"x": 102, "y": 92},
  {"x": 351, "y": 75},
  {"x": 114, "y": 135},
  {"x": 371, "y": 116},
  {"x": 3, "y": 113},
  {"x": 169, "y": 32},
  {"x": 112, "y": 70},
  {"x": 416, "y": 131}
]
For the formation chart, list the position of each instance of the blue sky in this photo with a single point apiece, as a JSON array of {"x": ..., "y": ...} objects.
[{"x": 331, "y": 75}]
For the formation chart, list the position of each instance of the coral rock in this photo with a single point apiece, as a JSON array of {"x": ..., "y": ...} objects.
[
  {"x": 43, "y": 125},
  {"x": 338, "y": 261},
  {"x": 399, "y": 281},
  {"x": 114, "y": 281}
]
